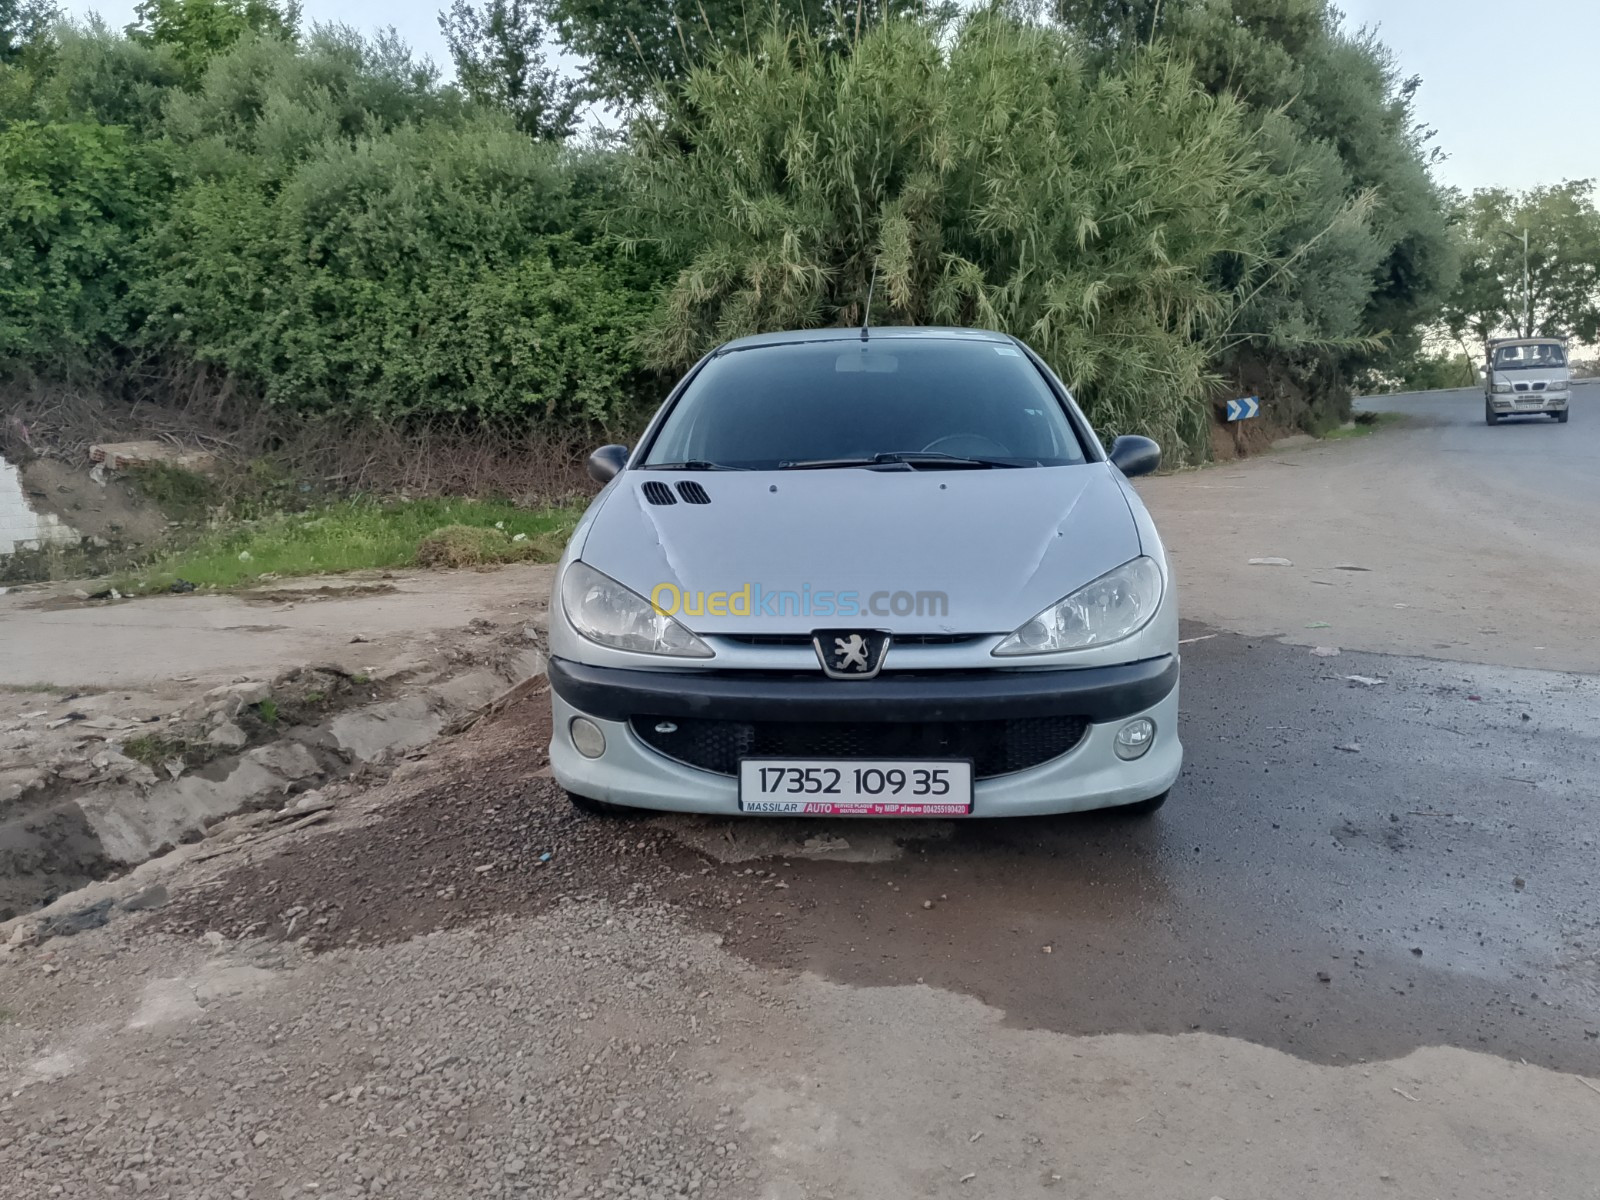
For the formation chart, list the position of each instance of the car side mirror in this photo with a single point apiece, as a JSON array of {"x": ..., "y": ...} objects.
[
  {"x": 606, "y": 462},
  {"x": 1135, "y": 455}
]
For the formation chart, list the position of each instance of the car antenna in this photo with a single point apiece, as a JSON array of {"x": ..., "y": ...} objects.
[{"x": 866, "y": 315}]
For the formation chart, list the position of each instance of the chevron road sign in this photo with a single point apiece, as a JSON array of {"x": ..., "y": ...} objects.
[{"x": 1238, "y": 410}]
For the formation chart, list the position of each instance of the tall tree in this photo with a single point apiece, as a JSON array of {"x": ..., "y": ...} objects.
[
  {"x": 634, "y": 47},
  {"x": 1373, "y": 253},
  {"x": 23, "y": 23},
  {"x": 1561, "y": 293},
  {"x": 986, "y": 180},
  {"x": 499, "y": 57},
  {"x": 198, "y": 30}
]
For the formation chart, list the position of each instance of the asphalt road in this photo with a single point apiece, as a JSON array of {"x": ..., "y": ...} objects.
[
  {"x": 1519, "y": 456},
  {"x": 1346, "y": 870}
]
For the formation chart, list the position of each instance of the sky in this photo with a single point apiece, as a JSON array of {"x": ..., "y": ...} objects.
[{"x": 1508, "y": 87}]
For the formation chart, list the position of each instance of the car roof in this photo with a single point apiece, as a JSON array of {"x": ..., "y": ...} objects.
[
  {"x": 1550, "y": 341},
  {"x": 852, "y": 333}
]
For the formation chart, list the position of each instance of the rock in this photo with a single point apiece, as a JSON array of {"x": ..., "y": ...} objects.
[
  {"x": 312, "y": 802},
  {"x": 227, "y": 735},
  {"x": 24, "y": 933},
  {"x": 291, "y": 760},
  {"x": 251, "y": 691},
  {"x": 121, "y": 456},
  {"x": 118, "y": 766},
  {"x": 78, "y": 921},
  {"x": 145, "y": 899}
]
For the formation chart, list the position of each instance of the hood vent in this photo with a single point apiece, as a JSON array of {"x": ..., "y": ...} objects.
[
  {"x": 658, "y": 493},
  {"x": 693, "y": 493}
]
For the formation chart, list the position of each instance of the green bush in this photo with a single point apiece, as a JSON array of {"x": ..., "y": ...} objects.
[
  {"x": 1157, "y": 194},
  {"x": 73, "y": 200}
]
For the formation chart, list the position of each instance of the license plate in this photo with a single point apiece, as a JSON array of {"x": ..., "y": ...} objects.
[{"x": 856, "y": 787}]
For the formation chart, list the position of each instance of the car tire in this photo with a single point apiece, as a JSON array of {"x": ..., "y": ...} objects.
[
  {"x": 602, "y": 808},
  {"x": 1561, "y": 417},
  {"x": 1490, "y": 417},
  {"x": 1143, "y": 808}
]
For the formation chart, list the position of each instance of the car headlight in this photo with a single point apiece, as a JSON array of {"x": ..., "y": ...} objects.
[
  {"x": 1502, "y": 388},
  {"x": 1555, "y": 387},
  {"x": 607, "y": 613},
  {"x": 1115, "y": 606}
]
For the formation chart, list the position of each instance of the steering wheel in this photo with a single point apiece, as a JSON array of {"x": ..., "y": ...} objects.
[{"x": 967, "y": 445}]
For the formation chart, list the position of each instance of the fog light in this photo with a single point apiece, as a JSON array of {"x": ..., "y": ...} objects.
[
  {"x": 1134, "y": 738},
  {"x": 591, "y": 741}
]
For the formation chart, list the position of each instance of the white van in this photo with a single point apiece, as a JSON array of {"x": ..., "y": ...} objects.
[{"x": 1526, "y": 375}]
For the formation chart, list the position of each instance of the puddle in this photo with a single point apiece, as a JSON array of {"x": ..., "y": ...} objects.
[{"x": 20, "y": 527}]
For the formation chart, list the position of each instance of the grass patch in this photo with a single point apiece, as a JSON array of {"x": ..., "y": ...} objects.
[
  {"x": 476, "y": 546},
  {"x": 1364, "y": 423},
  {"x": 181, "y": 494},
  {"x": 41, "y": 689},
  {"x": 356, "y": 535},
  {"x": 155, "y": 750}
]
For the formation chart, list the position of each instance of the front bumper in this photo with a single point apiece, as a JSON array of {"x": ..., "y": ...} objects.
[
  {"x": 1529, "y": 402},
  {"x": 1089, "y": 775}
]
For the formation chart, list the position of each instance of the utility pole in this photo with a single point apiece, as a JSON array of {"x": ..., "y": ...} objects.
[{"x": 1527, "y": 289}]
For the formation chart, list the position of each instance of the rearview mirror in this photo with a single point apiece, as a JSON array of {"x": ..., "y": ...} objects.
[
  {"x": 1135, "y": 455},
  {"x": 605, "y": 462}
]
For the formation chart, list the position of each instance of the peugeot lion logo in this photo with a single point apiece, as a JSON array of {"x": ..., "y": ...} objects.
[{"x": 849, "y": 653}]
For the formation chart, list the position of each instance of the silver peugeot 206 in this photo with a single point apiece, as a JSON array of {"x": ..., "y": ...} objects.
[{"x": 867, "y": 573}]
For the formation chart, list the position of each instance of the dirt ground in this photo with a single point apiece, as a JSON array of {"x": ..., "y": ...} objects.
[
  {"x": 463, "y": 989},
  {"x": 113, "y": 511},
  {"x": 457, "y": 987},
  {"x": 178, "y": 644}
]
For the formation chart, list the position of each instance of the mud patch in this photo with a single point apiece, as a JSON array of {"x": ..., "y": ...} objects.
[
  {"x": 326, "y": 591},
  {"x": 741, "y": 841},
  {"x": 470, "y": 836},
  {"x": 475, "y": 832},
  {"x": 50, "y": 851}
]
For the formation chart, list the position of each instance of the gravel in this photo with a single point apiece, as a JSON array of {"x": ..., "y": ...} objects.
[
  {"x": 553, "y": 1057},
  {"x": 465, "y": 989}
]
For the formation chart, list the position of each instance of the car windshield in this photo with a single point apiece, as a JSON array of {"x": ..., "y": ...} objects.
[
  {"x": 913, "y": 403},
  {"x": 1527, "y": 358}
]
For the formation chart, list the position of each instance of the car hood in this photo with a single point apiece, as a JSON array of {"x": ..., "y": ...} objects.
[{"x": 1001, "y": 544}]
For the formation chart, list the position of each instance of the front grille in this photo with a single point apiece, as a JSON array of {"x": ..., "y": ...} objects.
[
  {"x": 899, "y": 639},
  {"x": 995, "y": 747}
]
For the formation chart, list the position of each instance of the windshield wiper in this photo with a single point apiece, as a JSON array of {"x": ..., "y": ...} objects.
[
  {"x": 691, "y": 464},
  {"x": 909, "y": 458}
]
